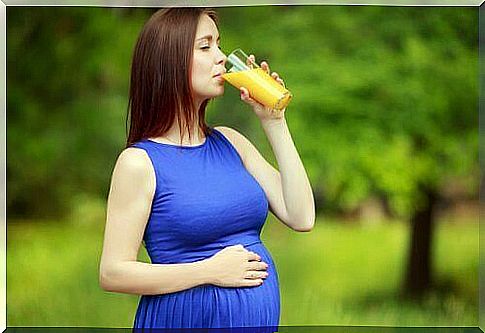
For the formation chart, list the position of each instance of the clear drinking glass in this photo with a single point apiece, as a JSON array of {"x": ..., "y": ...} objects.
[{"x": 261, "y": 86}]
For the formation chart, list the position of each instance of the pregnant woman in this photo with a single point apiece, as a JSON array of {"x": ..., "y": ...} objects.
[{"x": 196, "y": 196}]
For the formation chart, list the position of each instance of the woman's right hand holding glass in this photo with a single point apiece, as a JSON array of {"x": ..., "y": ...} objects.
[{"x": 234, "y": 266}]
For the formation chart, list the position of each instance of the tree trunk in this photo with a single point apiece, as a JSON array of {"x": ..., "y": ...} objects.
[{"x": 418, "y": 274}]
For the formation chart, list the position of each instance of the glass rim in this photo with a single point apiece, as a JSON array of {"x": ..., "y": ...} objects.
[{"x": 238, "y": 53}]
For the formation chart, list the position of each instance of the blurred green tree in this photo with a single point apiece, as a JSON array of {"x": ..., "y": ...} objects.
[
  {"x": 67, "y": 78},
  {"x": 385, "y": 105}
]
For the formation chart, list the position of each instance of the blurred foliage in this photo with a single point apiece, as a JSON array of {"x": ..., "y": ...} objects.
[
  {"x": 385, "y": 98},
  {"x": 67, "y": 96}
]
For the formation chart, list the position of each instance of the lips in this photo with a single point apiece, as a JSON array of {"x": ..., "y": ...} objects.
[
  {"x": 219, "y": 78},
  {"x": 219, "y": 74}
]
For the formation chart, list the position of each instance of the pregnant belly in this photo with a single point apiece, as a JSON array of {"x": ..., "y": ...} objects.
[{"x": 210, "y": 306}]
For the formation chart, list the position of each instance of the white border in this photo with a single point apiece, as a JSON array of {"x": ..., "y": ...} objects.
[
  {"x": 481, "y": 157},
  {"x": 143, "y": 3},
  {"x": 3, "y": 165},
  {"x": 230, "y": 3}
]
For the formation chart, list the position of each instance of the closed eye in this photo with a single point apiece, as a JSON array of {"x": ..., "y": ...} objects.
[{"x": 208, "y": 47}]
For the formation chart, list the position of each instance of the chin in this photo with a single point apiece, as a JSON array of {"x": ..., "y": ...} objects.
[{"x": 218, "y": 92}]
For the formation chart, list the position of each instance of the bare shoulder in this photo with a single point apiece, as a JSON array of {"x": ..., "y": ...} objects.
[
  {"x": 134, "y": 165},
  {"x": 134, "y": 160},
  {"x": 230, "y": 133},
  {"x": 238, "y": 140}
]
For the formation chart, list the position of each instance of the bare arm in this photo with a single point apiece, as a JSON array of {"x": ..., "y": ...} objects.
[
  {"x": 129, "y": 204},
  {"x": 293, "y": 191},
  {"x": 288, "y": 191}
]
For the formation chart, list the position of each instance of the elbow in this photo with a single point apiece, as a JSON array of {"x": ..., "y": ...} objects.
[
  {"x": 106, "y": 280},
  {"x": 306, "y": 221},
  {"x": 305, "y": 226}
]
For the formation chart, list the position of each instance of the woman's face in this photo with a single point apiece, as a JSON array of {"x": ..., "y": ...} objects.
[{"x": 208, "y": 61}]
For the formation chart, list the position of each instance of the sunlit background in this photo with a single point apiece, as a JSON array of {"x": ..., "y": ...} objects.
[{"x": 384, "y": 116}]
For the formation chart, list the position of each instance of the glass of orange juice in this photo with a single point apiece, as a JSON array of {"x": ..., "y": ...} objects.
[{"x": 261, "y": 86}]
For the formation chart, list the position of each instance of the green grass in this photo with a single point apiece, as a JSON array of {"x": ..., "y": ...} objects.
[
  {"x": 352, "y": 274},
  {"x": 338, "y": 274}
]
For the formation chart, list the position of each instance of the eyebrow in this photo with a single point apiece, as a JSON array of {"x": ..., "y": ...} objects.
[{"x": 208, "y": 37}]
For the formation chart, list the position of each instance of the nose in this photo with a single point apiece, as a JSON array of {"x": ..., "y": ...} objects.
[{"x": 221, "y": 57}]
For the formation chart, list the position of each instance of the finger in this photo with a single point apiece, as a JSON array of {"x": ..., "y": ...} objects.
[
  {"x": 253, "y": 256},
  {"x": 265, "y": 66},
  {"x": 245, "y": 96},
  {"x": 257, "y": 266},
  {"x": 244, "y": 93},
  {"x": 256, "y": 275},
  {"x": 251, "y": 60},
  {"x": 251, "y": 275},
  {"x": 251, "y": 282},
  {"x": 275, "y": 76}
]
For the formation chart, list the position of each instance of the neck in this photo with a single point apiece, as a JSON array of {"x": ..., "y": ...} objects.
[
  {"x": 196, "y": 136},
  {"x": 174, "y": 135}
]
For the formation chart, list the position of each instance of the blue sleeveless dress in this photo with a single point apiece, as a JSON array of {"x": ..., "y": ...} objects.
[{"x": 206, "y": 200}]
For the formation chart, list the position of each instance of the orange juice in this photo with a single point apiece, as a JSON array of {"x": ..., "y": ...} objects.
[{"x": 261, "y": 87}]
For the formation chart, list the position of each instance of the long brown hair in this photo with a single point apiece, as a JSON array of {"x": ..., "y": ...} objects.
[{"x": 160, "y": 85}]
